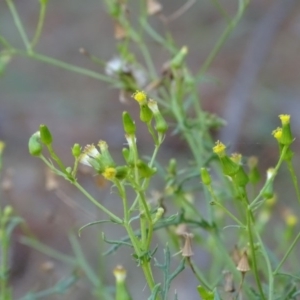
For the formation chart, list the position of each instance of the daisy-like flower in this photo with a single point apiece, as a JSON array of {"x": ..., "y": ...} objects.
[
  {"x": 90, "y": 152},
  {"x": 118, "y": 66},
  {"x": 115, "y": 66}
]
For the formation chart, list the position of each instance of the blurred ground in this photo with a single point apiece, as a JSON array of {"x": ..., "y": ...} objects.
[{"x": 84, "y": 110}]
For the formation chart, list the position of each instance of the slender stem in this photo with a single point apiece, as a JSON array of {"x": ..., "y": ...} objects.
[
  {"x": 147, "y": 180},
  {"x": 94, "y": 201},
  {"x": 231, "y": 26},
  {"x": 146, "y": 236},
  {"x": 157, "y": 37},
  {"x": 40, "y": 24},
  {"x": 63, "y": 65},
  {"x": 148, "y": 274},
  {"x": 222, "y": 11},
  {"x": 287, "y": 254},
  {"x": 269, "y": 180},
  {"x": 147, "y": 57},
  {"x": 197, "y": 273},
  {"x": 256, "y": 275},
  {"x": 269, "y": 267},
  {"x": 151, "y": 131},
  {"x": 124, "y": 199},
  {"x": 57, "y": 159},
  {"x": 133, "y": 238},
  {"x": 217, "y": 202},
  {"x": 180, "y": 119},
  {"x": 83, "y": 191},
  {"x": 50, "y": 252},
  {"x": 149, "y": 219},
  {"x": 294, "y": 179},
  {"x": 18, "y": 23}
]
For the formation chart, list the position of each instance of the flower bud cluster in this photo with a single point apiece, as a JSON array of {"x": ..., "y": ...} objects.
[
  {"x": 101, "y": 161},
  {"x": 231, "y": 166},
  {"x": 148, "y": 110},
  {"x": 284, "y": 137}
]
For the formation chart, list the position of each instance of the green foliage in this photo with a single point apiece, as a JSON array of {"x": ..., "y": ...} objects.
[{"x": 231, "y": 204}]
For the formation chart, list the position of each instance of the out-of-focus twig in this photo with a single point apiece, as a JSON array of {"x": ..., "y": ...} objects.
[{"x": 180, "y": 11}]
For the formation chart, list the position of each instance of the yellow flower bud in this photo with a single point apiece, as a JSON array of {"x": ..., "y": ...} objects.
[
  {"x": 140, "y": 97},
  {"x": 109, "y": 173}
]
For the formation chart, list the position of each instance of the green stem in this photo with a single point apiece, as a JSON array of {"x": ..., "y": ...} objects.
[
  {"x": 145, "y": 243},
  {"x": 147, "y": 180},
  {"x": 40, "y": 24},
  {"x": 147, "y": 58},
  {"x": 151, "y": 131},
  {"x": 50, "y": 252},
  {"x": 157, "y": 37},
  {"x": 179, "y": 116},
  {"x": 269, "y": 267},
  {"x": 222, "y": 11},
  {"x": 18, "y": 23},
  {"x": 197, "y": 273},
  {"x": 145, "y": 264},
  {"x": 123, "y": 196},
  {"x": 57, "y": 159},
  {"x": 217, "y": 202},
  {"x": 255, "y": 270},
  {"x": 231, "y": 26},
  {"x": 94, "y": 201},
  {"x": 287, "y": 254},
  {"x": 294, "y": 179},
  {"x": 63, "y": 65},
  {"x": 269, "y": 180},
  {"x": 148, "y": 274},
  {"x": 83, "y": 191},
  {"x": 130, "y": 232}
]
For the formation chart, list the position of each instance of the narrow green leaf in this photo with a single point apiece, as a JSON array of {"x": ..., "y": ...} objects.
[{"x": 90, "y": 224}]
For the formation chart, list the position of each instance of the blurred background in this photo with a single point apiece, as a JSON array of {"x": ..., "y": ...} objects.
[{"x": 256, "y": 78}]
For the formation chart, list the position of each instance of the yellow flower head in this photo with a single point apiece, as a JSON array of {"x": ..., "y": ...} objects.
[
  {"x": 89, "y": 152},
  {"x": 109, "y": 173},
  {"x": 277, "y": 133},
  {"x": 140, "y": 97},
  {"x": 219, "y": 148},
  {"x": 285, "y": 119}
]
